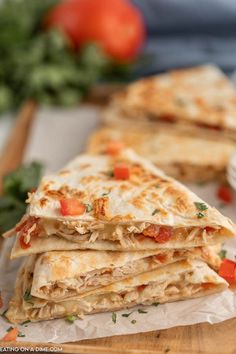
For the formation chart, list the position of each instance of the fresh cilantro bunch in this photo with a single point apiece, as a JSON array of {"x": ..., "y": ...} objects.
[
  {"x": 40, "y": 64},
  {"x": 16, "y": 185}
]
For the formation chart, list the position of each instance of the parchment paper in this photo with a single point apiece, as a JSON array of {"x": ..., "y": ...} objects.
[{"x": 58, "y": 136}]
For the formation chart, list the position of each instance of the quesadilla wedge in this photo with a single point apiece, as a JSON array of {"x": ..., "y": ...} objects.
[
  {"x": 176, "y": 154},
  {"x": 181, "y": 280},
  {"x": 64, "y": 274},
  {"x": 199, "y": 101},
  {"x": 123, "y": 199}
]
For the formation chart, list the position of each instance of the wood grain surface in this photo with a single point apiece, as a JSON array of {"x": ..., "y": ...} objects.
[{"x": 202, "y": 338}]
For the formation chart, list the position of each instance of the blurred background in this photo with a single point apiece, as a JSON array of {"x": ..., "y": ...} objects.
[{"x": 60, "y": 61}]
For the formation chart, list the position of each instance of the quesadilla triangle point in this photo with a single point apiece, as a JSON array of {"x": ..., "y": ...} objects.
[
  {"x": 184, "y": 279},
  {"x": 200, "y": 101},
  {"x": 117, "y": 202}
]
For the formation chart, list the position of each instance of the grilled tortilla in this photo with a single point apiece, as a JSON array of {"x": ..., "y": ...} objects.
[
  {"x": 200, "y": 101},
  {"x": 181, "y": 280},
  {"x": 176, "y": 154},
  {"x": 64, "y": 274},
  {"x": 148, "y": 210}
]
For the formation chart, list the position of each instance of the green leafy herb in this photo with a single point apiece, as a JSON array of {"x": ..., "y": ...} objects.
[
  {"x": 114, "y": 317},
  {"x": 9, "y": 329},
  {"x": 106, "y": 193},
  {"x": 4, "y": 313},
  {"x": 142, "y": 311},
  {"x": 222, "y": 254},
  {"x": 25, "y": 322},
  {"x": 89, "y": 208},
  {"x": 155, "y": 211},
  {"x": 126, "y": 314},
  {"x": 133, "y": 321},
  {"x": 20, "y": 334},
  {"x": 70, "y": 318},
  {"x": 16, "y": 185},
  {"x": 156, "y": 303},
  {"x": 27, "y": 296},
  {"x": 200, "y": 215},
  {"x": 201, "y": 206}
]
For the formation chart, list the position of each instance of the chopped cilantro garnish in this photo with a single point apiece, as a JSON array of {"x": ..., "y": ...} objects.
[
  {"x": 156, "y": 303},
  {"x": 126, "y": 314},
  {"x": 27, "y": 296},
  {"x": 20, "y": 334},
  {"x": 25, "y": 322},
  {"x": 133, "y": 321},
  {"x": 9, "y": 329},
  {"x": 142, "y": 311},
  {"x": 88, "y": 208},
  {"x": 222, "y": 254},
  {"x": 110, "y": 173},
  {"x": 201, "y": 206},
  {"x": 200, "y": 215},
  {"x": 155, "y": 211},
  {"x": 113, "y": 317},
  {"x": 70, "y": 318},
  {"x": 4, "y": 312}
]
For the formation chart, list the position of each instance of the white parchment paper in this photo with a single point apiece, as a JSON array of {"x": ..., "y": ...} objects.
[{"x": 56, "y": 137}]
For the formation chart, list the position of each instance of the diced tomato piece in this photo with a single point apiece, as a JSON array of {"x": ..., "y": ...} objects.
[
  {"x": 209, "y": 229},
  {"x": 159, "y": 233},
  {"x": 160, "y": 257},
  {"x": 227, "y": 270},
  {"x": 168, "y": 117},
  {"x": 114, "y": 147},
  {"x": 121, "y": 172},
  {"x": 207, "y": 285},
  {"x": 72, "y": 207},
  {"x": 225, "y": 193},
  {"x": 141, "y": 287},
  {"x": 26, "y": 225},
  {"x": 23, "y": 244},
  {"x": 11, "y": 335}
]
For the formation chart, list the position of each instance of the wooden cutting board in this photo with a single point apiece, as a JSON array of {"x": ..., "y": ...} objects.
[{"x": 202, "y": 338}]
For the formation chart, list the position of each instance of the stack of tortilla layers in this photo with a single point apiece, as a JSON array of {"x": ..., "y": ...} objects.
[
  {"x": 111, "y": 231},
  {"x": 183, "y": 121}
]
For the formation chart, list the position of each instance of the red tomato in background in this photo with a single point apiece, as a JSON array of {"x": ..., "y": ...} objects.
[{"x": 116, "y": 25}]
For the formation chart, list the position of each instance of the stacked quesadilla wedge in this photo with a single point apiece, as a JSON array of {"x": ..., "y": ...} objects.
[
  {"x": 200, "y": 101},
  {"x": 112, "y": 231},
  {"x": 181, "y": 280},
  {"x": 184, "y": 122},
  {"x": 176, "y": 154},
  {"x": 116, "y": 202}
]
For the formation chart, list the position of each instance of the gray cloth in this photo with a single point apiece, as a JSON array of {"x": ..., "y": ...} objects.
[{"x": 189, "y": 32}]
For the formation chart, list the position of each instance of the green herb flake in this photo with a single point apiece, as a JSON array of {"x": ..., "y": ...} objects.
[
  {"x": 200, "y": 215},
  {"x": 20, "y": 334},
  {"x": 110, "y": 173},
  {"x": 155, "y": 212},
  {"x": 133, "y": 321},
  {"x": 142, "y": 311},
  {"x": 27, "y": 296},
  {"x": 4, "y": 313},
  {"x": 201, "y": 206},
  {"x": 222, "y": 254},
  {"x": 88, "y": 208},
  {"x": 106, "y": 193},
  {"x": 9, "y": 329},
  {"x": 126, "y": 314},
  {"x": 156, "y": 303},
  {"x": 25, "y": 322},
  {"x": 113, "y": 316},
  {"x": 70, "y": 318}
]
